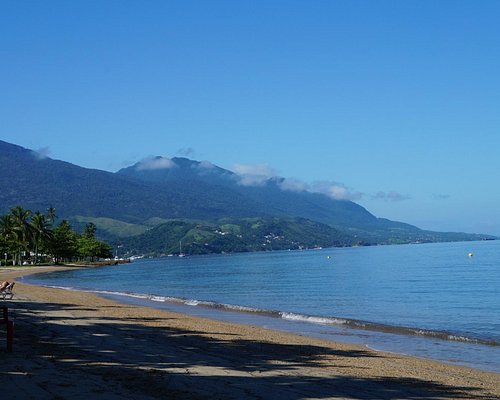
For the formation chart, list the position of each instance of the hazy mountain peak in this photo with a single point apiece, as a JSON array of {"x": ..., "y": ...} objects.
[{"x": 154, "y": 163}]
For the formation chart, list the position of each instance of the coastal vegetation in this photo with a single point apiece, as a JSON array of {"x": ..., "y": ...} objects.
[
  {"x": 230, "y": 235},
  {"x": 28, "y": 237}
]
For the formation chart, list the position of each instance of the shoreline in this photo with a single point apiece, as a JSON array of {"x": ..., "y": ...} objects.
[
  {"x": 138, "y": 352},
  {"x": 454, "y": 347}
]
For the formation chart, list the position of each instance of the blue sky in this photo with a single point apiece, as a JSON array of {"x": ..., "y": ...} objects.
[{"x": 397, "y": 103}]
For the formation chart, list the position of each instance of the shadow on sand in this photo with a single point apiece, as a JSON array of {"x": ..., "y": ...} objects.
[{"x": 160, "y": 362}]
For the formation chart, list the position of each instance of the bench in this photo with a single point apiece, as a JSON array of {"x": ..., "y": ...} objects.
[{"x": 7, "y": 291}]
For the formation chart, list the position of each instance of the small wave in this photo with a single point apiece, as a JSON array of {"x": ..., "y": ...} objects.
[
  {"x": 312, "y": 319},
  {"x": 449, "y": 336},
  {"x": 246, "y": 309},
  {"x": 180, "y": 300}
]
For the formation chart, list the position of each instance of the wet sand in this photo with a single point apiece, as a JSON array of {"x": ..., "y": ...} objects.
[{"x": 72, "y": 345}]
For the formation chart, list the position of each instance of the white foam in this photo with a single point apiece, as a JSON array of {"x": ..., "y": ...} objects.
[
  {"x": 461, "y": 339},
  {"x": 284, "y": 315},
  {"x": 310, "y": 319},
  {"x": 160, "y": 299},
  {"x": 241, "y": 308}
]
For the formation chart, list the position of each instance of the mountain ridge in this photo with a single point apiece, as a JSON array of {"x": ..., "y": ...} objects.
[{"x": 179, "y": 188}]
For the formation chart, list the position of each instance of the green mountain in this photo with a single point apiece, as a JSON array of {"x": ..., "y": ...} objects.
[
  {"x": 271, "y": 199},
  {"x": 135, "y": 199},
  {"x": 38, "y": 183},
  {"x": 268, "y": 197},
  {"x": 234, "y": 235}
]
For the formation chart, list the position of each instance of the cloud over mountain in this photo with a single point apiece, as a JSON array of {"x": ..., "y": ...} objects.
[
  {"x": 206, "y": 165},
  {"x": 293, "y": 185},
  {"x": 154, "y": 163},
  {"x": 259, "y": 174},
  {"x": 253, "y": 174},
  {"x": 335, "y": 190},
  {"x": 42, "y": 153}
]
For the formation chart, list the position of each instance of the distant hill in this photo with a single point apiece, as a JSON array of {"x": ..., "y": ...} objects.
[
  {"x": 234, "y": 235},
  {"x": 155, "y": 191}
]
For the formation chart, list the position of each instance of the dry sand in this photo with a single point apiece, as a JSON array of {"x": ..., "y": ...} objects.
[{"x": 76, "y": 345}]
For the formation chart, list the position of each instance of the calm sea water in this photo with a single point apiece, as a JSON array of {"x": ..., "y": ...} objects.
[{"x": 430, "y": 300}]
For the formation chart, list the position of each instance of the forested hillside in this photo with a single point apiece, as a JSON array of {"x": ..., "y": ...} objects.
[{"x": 134, "y": 200}]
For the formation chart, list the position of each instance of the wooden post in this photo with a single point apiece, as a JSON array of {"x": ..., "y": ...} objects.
[{"x": 10, "y": 336}]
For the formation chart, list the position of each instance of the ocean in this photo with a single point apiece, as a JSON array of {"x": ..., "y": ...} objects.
[{"x": 438, "y": 300}]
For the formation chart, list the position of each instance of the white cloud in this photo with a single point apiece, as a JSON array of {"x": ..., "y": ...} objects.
[
  {"x": 253, "y": 174},
  {"x": 206, "y": 165},
  {"x": 254, "y": 169},
  {"x": 153, "y": 163},
  {"x": 42, "y": 153},
  {"x": 293, "y": 185},
  {"x": 259, "y": 174},
  {"x": 390, "y": 196},
  {"x": 335, "y": 190}
]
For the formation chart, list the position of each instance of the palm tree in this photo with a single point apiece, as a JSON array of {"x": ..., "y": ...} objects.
[
  {"x": 51, "y": 214},
  {"x": 6, "y": 233},
  {"x": 21, "y": 228},
  {"x": 6, "y": 226},
  {"x": 40, "y": 227}
]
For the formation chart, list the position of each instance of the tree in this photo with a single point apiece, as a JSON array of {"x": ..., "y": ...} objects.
[
  {"x": 6, "y": 225},
  {"x": 90, "y": 247},
  {"x": 6, "y": 235},
  {"x": 63, "y": 243},
  {"x": 51, "y": 214},
  {"x": 22, "y": 230},
  {"x": 40, "y": 231},
  {"x": 90, "y": 230}
]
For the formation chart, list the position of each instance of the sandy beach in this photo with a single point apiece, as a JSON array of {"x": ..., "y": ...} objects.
[{"x": 72, "y": 345}]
